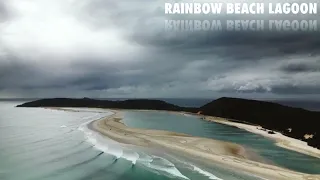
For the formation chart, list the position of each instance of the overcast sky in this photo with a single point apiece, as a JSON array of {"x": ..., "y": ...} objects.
[{"x": 109, "y": 48}]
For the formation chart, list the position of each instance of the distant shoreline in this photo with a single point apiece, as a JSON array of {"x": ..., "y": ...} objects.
[
  {"x": 280, "y": 139},
  {"x": 303, "y": 124},
  {"x": 228, "y": 154}
]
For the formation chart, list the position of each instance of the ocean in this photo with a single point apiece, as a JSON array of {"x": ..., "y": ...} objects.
[{"x": 46, "y": 144}]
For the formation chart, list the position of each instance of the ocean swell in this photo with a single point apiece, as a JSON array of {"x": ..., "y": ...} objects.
[{"x": 118, "y": 150}]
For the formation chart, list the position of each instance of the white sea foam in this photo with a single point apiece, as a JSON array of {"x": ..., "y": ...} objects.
[
  {"x": 205, "y": 173},
  {"x": 187, "y": 115},
  {"x": 162, "y": 164},
  {"x": 130, "y": 155},
  {"x": 118, "y": 150},
  {"x": 162, "y": 161},
  {"x": 144, "y": 158},
  {"x": 102, "y": 144},
  {"x": 170, "y": 170},
  {"x": 197, "y": 169},
  {"x": 115, "y": 151}
]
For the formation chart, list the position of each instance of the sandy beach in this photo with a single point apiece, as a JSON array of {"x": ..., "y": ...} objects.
[
  {"x": 280, "y": 139},
  {"x": 227, "y": 154}
]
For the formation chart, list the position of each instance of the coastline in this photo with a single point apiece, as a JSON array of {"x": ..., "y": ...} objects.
[
  {"x": 280, "y": 139},
  {"x": 291, "y": 119},
  {"x": 227, "y": 154}
]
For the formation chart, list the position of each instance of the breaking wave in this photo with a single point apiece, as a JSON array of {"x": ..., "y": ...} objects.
[
  {"x": 205, "y": 173},
  {"x": 118, "y": 150},
  {"x": 161, "y": 164},
  {"x": 197, "y": 169}
]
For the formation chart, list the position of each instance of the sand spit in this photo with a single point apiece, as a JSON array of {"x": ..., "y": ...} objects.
[{"x": 227, "y": 154}]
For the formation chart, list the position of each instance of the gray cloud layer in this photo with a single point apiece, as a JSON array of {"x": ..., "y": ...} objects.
[{"x": 104, "y": 48}]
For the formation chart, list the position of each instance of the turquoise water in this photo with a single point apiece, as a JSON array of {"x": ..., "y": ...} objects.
[
  {"x": 194, "y": 126},
  {"x": 43, "y": 144}
]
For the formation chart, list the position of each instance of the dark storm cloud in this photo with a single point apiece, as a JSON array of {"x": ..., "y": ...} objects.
[
  {"x": 146, "y": 28},
  {"x": 238, "y": 45},
  {"x": 31, "y": 77},
  {"x": 4, "y": 12},
  {"x": 166, "y": 64},
  {"x": 22, "y": 76},
  {"x": 300, "y": 90},
  {"x": 301, "y": 67},
  {"x": 15, "y": 73},
  {"x": 84, "y": 75}
]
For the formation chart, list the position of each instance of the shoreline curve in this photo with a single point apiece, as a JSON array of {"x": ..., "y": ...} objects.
[{"x": 228, "y": 154}]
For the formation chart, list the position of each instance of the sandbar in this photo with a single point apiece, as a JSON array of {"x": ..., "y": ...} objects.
[{"x": 226, "y": 154}]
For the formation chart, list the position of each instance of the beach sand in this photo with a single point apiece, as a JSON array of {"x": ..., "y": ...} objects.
[{"x": 226, "y": 154}]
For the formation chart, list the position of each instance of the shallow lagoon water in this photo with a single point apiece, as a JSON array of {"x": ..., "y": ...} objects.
[
  {"x": 192, "y": 125},
  {"x": 45, "y": 144}
]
